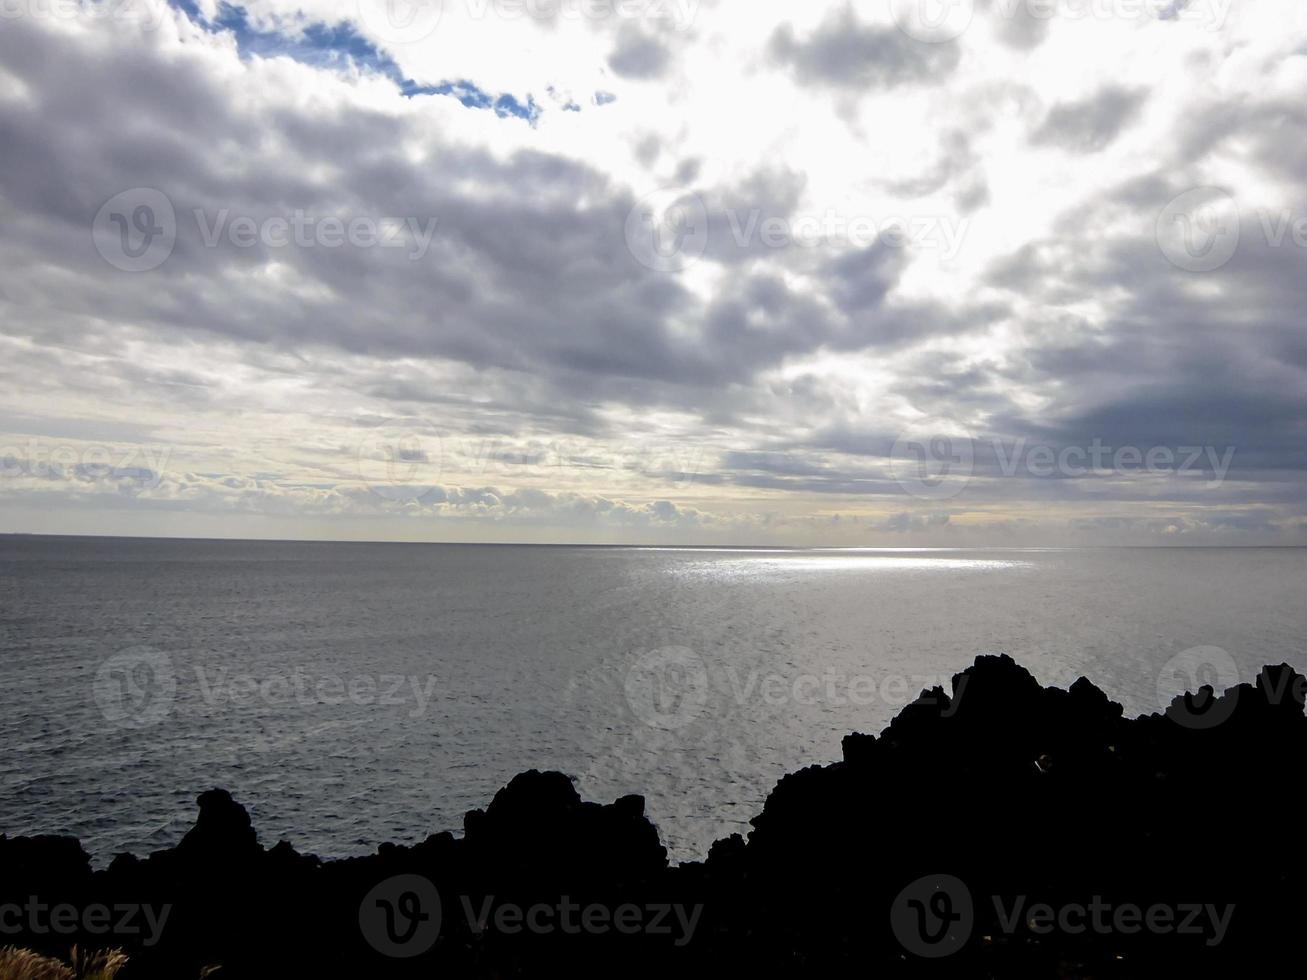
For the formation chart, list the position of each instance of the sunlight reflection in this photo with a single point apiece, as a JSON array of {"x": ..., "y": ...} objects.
[{"x": 862, "y": 563}]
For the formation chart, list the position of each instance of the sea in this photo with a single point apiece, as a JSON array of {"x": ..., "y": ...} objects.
[{"x": 350, "y": 694}]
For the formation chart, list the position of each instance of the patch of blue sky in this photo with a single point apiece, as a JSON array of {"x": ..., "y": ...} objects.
[{"x": 340, "y": 46}]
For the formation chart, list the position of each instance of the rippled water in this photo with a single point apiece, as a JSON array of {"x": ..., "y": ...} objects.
[{"x": 355, "y": 693}]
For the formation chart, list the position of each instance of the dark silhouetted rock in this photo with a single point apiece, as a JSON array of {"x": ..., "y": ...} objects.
[{"x": 947, "y": 833}]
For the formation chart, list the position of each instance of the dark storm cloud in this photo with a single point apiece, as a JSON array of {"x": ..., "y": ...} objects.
[
  {"x": 1091, "y": 124},
  {"x": 845, "y": 53}
]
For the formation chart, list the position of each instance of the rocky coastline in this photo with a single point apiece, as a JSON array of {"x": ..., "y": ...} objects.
[{"x": 1016, "y": 831}]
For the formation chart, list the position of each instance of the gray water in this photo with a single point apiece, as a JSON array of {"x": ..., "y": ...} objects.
[{"x": 350, "y": 694}]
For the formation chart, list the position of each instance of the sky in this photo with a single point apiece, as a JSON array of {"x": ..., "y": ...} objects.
[{"x": 891, "y": 273}]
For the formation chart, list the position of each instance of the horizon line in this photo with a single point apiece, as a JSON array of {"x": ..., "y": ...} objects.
[{"x": 643, "y": 546}]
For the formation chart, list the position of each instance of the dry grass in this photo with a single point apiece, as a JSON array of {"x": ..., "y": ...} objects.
[{"x": 22, "y": 964}]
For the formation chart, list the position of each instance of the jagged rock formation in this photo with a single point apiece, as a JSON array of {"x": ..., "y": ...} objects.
[{"x": 1163, "y": 845}]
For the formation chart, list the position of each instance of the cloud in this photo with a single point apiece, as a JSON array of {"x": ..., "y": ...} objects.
[
  {"x": 638, "y": 55},
  {"x": 905, "y": 522},
  {"x": 1022, "y": 26},
  {"x": 845, "y": 53},
  {"x": 1089, "y": 125},
  {"x": 508, "y": 343}
]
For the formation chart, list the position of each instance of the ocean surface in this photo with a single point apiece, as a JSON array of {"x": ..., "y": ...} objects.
[{"x": 350, "y": 694}]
